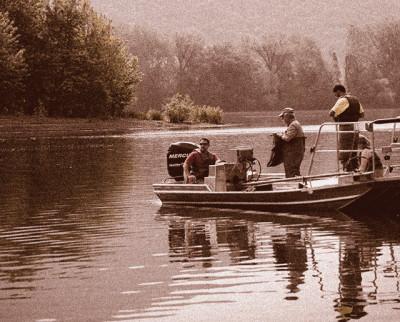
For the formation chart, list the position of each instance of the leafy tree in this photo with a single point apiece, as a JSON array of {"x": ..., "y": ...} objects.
[
  {"x": 371, "y": 64},
  {"x": 336, "y": 73},
  {"x": 359, "y": 66},
  {"x": 13, "y": 68},
  {"x": 188, "y": 53},
  {"x": 66, "y": 59},
  {"x": 156, "y": 64},
  {"x": 226, "y": 79},
  {"x": 295, "y": 72},
  {"x": 273, "y": 52},
  {"x": 89, "y": 71},
  {"x": 310, "y": 82},
  {"x": 386, "y": 65},
  {"x": 27, "y": 17}
]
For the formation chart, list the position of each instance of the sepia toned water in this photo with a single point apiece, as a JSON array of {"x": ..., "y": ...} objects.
[{"x": 83, "y": 238}]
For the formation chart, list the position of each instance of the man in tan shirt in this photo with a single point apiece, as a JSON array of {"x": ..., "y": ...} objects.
[{"x": 347, "y": 109}]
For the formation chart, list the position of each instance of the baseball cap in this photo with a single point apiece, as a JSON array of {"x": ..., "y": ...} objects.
[{"x": 286, "y": 110}]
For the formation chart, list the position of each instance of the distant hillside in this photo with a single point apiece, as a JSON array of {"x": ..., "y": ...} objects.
[{"x": 230, "y": 20}]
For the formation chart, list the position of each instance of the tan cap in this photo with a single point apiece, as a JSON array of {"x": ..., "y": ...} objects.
[{"x": 286, "y": 110}]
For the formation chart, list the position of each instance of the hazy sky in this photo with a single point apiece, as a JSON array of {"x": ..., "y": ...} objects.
[{"x": 216, "y": 20}]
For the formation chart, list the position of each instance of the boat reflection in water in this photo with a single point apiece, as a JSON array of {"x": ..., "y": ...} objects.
[
  {"x": 290, "y": 251},
  {"x": 198, "y": 240},
  {"x": 333, "y": 260}
]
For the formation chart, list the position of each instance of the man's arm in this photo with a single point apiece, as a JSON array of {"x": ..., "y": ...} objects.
[
  {"x": 216, "y": 159},
  {"x": 186, "y": 170},
  {"x": 366, "y": 155},
  {"x": 290, "y": 133},
  {"x": 361, "y": 111}
]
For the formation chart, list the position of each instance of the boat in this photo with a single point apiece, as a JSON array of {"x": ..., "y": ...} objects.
[{"x": 237, "y": 185}]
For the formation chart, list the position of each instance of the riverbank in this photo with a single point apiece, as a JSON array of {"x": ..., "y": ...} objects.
[
  {"x": 32, "y": 126},
  {"x": 25, "y": 126}
]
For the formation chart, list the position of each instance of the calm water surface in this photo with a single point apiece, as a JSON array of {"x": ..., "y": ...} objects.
[{"x": 83, "y": 238}]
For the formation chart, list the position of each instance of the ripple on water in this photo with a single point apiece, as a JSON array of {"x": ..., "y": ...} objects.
[{"x": 81, "y": 226}]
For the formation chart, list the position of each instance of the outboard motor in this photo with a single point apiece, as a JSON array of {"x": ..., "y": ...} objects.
[{"x": 176, "y": 156}]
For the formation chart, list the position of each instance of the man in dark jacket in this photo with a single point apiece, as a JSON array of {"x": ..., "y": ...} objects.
[
  {"x": 347, "y": 109},
  {"x": 293, "y": 145}
]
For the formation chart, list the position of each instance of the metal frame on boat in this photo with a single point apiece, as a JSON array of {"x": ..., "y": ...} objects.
[{"x": 341, "y": 190}]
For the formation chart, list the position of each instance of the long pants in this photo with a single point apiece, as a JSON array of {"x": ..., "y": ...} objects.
[
  {"x": 348, "y": 141},
  {"x": 291, "y": 163},
  {"x": 293, "y": 154}
]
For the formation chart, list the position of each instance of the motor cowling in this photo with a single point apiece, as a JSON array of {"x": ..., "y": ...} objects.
[{"x": 176, "y": 156}]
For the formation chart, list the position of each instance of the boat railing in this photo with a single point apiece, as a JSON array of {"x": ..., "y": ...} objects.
[{"x": 355, "y": 128}]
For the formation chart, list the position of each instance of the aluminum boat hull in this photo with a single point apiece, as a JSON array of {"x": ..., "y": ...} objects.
[{"x": 380, "y": 194}]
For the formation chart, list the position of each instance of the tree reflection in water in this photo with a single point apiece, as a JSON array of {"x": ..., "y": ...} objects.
[{"x": 56, "y": 203}]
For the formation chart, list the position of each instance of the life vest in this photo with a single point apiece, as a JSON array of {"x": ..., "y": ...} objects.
[{"x": 352, "y": 113}]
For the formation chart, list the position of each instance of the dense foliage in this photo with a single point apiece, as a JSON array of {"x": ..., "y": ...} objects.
[
  {"x": 13, "y": 69},
  {"x": 75, "y": 65},
  {"x": 181, "y": 108},
  {"x": 178, "y": 109}
]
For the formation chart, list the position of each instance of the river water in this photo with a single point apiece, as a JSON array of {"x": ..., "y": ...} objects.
[{"x": 83, "y": 238}]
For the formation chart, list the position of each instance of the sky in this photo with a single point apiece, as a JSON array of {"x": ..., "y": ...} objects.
[{"x": 326, "y": 21}]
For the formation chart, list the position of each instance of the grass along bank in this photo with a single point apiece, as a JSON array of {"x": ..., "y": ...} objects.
[{"x": 180, "y": 109}]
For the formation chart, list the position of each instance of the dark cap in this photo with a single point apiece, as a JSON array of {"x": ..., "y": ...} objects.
[{"x": 286, "y": 110}]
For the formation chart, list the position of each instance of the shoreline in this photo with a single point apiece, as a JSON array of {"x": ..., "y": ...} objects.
[
  {"x": 22, "y": 127},
  {"x": 12, "y": 127}
]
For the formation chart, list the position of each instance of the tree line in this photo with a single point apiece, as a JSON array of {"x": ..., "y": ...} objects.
[
  {"x": 61, "y": 58},
  {"x": 268, "y": 72},
  {"x": 257, "y": 74}
]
